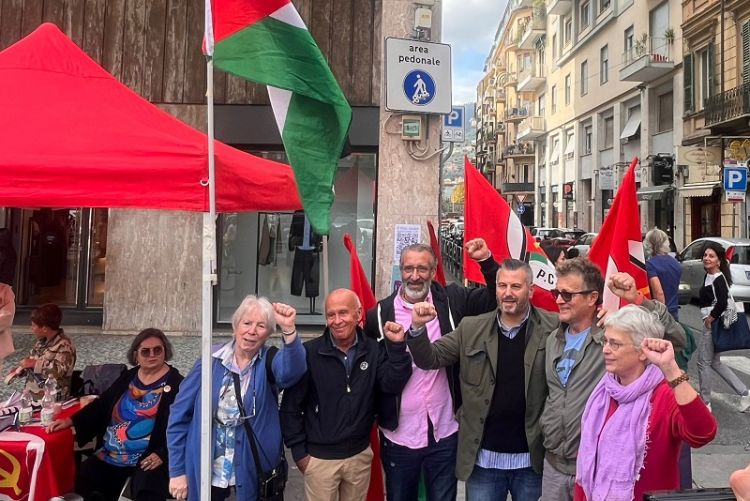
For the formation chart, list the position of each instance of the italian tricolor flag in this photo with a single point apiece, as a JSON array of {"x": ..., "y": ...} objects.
[{"x": 266, "y": 41}]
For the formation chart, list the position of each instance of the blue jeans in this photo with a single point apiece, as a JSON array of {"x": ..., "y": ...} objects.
[
  {"x": 403, "y": 468},
  {"x": 493, "y": 485}
]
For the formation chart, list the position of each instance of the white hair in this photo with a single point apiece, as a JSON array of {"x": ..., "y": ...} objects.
[
  {"x": 638, "y": 322},
  {"x": 656, "y": 243},
  {"x": 251, "y": 302}
]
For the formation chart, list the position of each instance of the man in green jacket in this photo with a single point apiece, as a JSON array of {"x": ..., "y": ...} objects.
[
  {"x": 501, "y": 359},
  {"x": 575, "y": 364}
]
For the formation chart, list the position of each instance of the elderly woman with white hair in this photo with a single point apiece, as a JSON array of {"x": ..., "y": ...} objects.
[
  {"x": 638, "y": 415},
  {"x": 244, "y": 365},
  {"x": 663, "y": 270}
]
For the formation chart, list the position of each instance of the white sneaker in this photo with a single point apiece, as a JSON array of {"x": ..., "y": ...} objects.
[{"x": 745, "y": 403}]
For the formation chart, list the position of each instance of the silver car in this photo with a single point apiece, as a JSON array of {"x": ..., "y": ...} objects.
[
  {"x": 693, "y": 273},
  {"x": 583, "y": 244}
]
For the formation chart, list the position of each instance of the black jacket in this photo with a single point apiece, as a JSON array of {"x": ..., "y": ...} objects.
[
  {"x": 330, "y": 416},
  {"x": 92, "y": 421},
  {"x": 452, "y": 302}
]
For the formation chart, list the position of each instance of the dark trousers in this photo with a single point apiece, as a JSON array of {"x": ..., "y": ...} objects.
[
  {"x": 219, "y": 493},
  {"x": 306, "y": 272},
  {"x": 100, "y": 481},
  {"x": 403, "y": 468}
]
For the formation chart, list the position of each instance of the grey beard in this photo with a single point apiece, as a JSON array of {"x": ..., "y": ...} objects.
[{"x": 414, "y": 295}]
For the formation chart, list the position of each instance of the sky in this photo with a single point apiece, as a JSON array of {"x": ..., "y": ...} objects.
[{"x": 469, "y": 26}]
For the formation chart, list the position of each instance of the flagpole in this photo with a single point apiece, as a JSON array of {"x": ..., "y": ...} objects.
[
  {"x": 209, "y": 279},
  {"x": 325, "y": 267}
]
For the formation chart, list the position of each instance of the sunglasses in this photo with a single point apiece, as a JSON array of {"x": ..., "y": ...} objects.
[
  {"x": 149, "y": 352},
  {"x": 567, "y": 296}
]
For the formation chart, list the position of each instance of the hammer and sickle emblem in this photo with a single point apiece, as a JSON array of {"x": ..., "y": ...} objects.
[{"x": 10, "y": 478}]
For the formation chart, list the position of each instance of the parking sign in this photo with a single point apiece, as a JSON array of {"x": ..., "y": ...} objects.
[
  {"x": 453, "y": 126},
  {"x": 735, "y": 183}
]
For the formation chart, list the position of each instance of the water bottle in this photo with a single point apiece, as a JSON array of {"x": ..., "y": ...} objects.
[
  {"x": 50, "y": 387},
  {"x": 48, "y": 408},
  {"x": 26, "y": 410}
]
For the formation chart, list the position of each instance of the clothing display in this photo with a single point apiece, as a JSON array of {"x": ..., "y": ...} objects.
[{"x": 306, "y": 265}]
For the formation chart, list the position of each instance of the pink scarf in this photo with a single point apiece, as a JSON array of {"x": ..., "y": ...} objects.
[{"x": 612, "y": 450}]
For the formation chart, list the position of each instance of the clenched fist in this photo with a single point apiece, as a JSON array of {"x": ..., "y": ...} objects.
[
  {"x": 477, "y": 249},
  {"x": 623, "y": 286},
  {"x": 394, "y": 332},
  {"x": 285, "y": 316},
  {"x": 422, "y": 314}
]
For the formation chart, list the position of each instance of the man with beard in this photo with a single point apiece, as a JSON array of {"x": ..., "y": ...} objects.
[
  {"x": 501, "y": 359},
  {"x": 419, "y": 432}
]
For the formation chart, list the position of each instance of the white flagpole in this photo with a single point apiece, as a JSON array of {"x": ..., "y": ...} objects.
[{"x": 209, "y": 279}]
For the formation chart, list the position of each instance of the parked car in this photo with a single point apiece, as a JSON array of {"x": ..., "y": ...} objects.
[
  {"x": 583, "y": 244},
  {"x": 546, "y": 233},
  {"x": 693, "y": 273}
]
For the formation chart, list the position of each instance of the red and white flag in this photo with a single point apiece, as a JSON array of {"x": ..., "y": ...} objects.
[
  {"x": 439, "y": 272},
  {"x": 488, "y": 215},
  {"x": 619, "y": 245}
]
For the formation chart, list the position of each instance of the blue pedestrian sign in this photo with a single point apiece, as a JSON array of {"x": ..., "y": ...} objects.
[
  {"x": 735, "y": 183},
  {"x": 419, "y": 87},
  {"x": 521, "y": 209}
]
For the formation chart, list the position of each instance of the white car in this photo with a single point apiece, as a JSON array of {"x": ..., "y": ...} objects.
[
  {"x": 693, "y": 273},
  {"x": 583, "y": 244}
]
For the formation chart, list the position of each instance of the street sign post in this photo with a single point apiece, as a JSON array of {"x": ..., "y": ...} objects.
[
  {"x": 735, "y": 183},
  {"x": 453, "y": 126},
  {"x": 417, "y": 76}
]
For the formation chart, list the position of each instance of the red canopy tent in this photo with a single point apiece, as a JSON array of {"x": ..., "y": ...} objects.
[{"x": 74, "y": 136}]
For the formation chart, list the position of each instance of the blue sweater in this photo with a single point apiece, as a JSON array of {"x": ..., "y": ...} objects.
[{"x": 184, "y": 433}]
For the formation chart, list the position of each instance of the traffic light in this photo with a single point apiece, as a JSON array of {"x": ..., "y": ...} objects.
[{"x": 662, "y": 169}]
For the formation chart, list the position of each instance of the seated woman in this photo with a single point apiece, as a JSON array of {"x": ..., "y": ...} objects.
[
  {"x": 257, "y": 371},
  {"x": 53, "y": 354},
  {"x": 129, "y": 421},
  {"x": 643, "y": 397}
]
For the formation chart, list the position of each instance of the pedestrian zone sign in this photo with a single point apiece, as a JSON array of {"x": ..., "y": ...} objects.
[
  {"x": 417, "y": 76},
  {"x": 735, "y": 183}
]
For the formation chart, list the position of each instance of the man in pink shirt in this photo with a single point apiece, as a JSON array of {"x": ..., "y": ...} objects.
[{"x": 419, "y": 433}]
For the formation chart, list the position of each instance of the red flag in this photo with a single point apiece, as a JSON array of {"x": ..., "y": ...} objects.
[
  {"x": 439, "y": 274},
  {"x": 619, "y": 245},
  {"x": 361, "y": 287},
  {"x": 488, "y": 215}
]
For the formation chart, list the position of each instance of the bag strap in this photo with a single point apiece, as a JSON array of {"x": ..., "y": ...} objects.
[{"x": 246, "y": 422}]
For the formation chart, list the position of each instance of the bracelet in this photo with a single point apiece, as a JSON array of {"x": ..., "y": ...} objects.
[
  {"x": 289, "y": 333},
  {"x": 681, "y": 379}
]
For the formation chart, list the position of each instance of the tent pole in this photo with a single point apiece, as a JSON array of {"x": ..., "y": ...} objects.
[
  {"x": 209, "y": 279},
  {"x": 325, "y": 267}
]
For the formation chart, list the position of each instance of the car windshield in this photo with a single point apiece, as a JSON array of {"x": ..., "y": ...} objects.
[{"x": 741, "y": 254}]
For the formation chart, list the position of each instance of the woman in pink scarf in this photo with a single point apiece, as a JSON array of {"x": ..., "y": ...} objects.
[{"x": 638, "y": 415}]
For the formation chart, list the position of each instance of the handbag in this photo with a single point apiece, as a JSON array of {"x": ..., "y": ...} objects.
[
  {"x": 734, "y": 337},
  {"x": 271, "y": 484},
  {"x": 729, "y": 315}
]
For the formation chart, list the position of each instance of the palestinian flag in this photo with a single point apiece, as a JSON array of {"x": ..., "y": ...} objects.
[
  {"x": 488, "y": 215},
  {"x": 266, "y": 41},
  {"x": 619, "y": 245}
]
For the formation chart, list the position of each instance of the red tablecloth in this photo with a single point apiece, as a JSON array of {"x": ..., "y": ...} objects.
[{"x": 51, "y": 475}]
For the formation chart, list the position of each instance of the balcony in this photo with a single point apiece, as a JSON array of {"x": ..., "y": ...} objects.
[
  {"x": 531, "y": 128},
  {"x": 517, "y": 188},
  {"x": 515, "y": 115},
  {"x": 647, "y": 60},
  {"x": 510, "y": 79},
  {"x": 559, "y": 7},
  {"x": 727, "y": 109},
  {"x": 500, "y": 95},
  {"x": 531, "y": 79},
  {"x": 535, "y": 27},
  {"x": 525, "y": 149}
]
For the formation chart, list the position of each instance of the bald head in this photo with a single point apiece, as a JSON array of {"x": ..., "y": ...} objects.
[{"x": 343, "y": 313}]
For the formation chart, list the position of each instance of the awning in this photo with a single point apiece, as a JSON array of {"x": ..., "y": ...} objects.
[
  {"x": 699, "y": 189},
  {"x": 632, "y": 125},
  {"x": 555, "y": 155},
  {"x": 570, "y": 147},
  {"x": 654, "y": 192}
]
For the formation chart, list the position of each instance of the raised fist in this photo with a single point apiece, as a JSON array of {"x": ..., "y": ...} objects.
[
  {"x": 422, "y": 314},
  {"x": 285, "y": 316},
  {"x": 477, "y": 249},
  {"x": 623, "y": 285},
  {"x": 394, "y": 332}
]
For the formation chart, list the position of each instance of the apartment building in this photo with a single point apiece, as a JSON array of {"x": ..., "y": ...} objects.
[
  {"x": 716, "y": 83},
  {"x": 600, "y": 83}
]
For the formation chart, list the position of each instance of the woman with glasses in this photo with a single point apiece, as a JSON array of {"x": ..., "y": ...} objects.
[
  {"x": 129, "y": 421},
  {"x": 638, "y": 415},
  {"x": 244, "y": 365}
]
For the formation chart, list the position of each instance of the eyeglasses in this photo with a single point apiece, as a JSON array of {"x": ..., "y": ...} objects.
[
  {"x": 421, "y": 270},
  {"x": 567, "y": 296},
  {"x": 614, "y": 345},
  {"x": 149, "y": 352}
]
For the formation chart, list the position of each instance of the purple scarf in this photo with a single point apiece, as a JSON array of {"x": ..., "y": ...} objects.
[{"x": 611, "y": 454}]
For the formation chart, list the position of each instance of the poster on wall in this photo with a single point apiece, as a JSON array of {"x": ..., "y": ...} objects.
[{"x": 405, "y": 234}]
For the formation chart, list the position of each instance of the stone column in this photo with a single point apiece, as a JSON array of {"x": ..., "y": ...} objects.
[{"x": 408, "y": 189}]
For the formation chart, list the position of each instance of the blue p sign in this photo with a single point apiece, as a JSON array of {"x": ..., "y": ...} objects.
[
  {"x": 455, "y": 118},
  {"x": 735, "y": 178}
]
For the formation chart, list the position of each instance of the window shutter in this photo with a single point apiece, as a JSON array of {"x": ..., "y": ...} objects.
[
  {"x": 687, "y": 73},
  {"x": 711, "y": 70},
  {"x": 746, "y": 52}
]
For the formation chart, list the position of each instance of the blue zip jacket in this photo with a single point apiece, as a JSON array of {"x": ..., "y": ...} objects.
[{"x": 184, "y": 430}]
